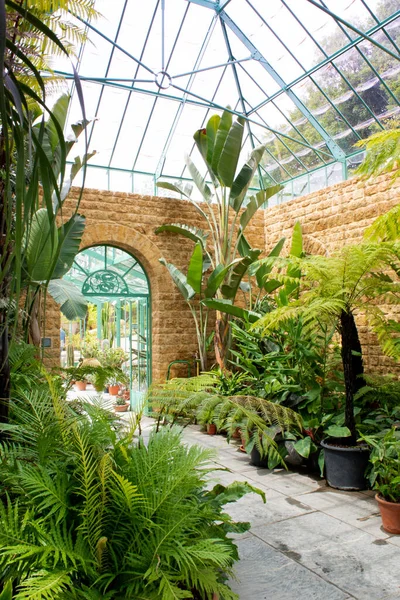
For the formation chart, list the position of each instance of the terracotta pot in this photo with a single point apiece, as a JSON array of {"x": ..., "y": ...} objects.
[
  {"x": 81, "y": 385},
  {"x": 113, "y": 390},
  {"x": 211, "y": 429},
  {"x": 390, "y": 513},
  {"x": 236, "y": 435},
  {"x": 121, "y": 407}
]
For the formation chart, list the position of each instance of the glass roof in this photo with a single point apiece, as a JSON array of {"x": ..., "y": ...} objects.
[
  {"x": 105, "y": 272},
  {"x": 312, "y": 77}
]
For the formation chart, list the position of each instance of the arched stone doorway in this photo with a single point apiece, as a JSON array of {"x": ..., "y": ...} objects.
[
  {"x": 118, "y": 292},
  {"x": 147, "y": 254}
]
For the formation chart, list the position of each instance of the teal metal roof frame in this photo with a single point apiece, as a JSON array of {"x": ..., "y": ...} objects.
[
  {"x": 106, "y": 272},
  {"x": 311, "y": 77}
]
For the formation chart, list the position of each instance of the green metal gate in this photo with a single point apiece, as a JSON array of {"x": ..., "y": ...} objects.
[{"x": 117, "y": 285}]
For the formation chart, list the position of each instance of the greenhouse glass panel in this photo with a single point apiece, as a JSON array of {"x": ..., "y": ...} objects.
[{"x": 311, "y": 77}]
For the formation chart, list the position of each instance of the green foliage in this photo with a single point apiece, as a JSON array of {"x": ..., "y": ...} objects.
[
  {"x": 385, "y": 464},
  {"x": 333, "y": 289},
  {"x": 383, "y": 153},
  {"x": 87, "y": 512},
  {"x": 222, "y": 243},
  {"x": 207, "y": 399}
]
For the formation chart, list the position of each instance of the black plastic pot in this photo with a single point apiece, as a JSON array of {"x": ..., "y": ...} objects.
[
  {"x": 345, "y": 466},
  {"x": 256, "y": 460}
]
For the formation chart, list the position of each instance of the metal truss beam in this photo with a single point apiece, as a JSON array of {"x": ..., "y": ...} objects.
[
  {"x": 353, "y": 28},
  {"x": 335, "y": 149}
]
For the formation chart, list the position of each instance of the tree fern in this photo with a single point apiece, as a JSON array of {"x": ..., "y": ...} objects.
[{"x": 383, "y": 153}]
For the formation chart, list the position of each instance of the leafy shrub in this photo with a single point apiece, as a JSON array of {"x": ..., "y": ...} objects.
[{"x": 87, "y": 513}]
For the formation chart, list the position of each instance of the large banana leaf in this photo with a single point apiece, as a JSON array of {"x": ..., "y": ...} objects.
[
  {"x": 224, "y": 127},
  {"x": 266, "y": 268},
  {"x": 42, "y": 246},
  {"x": 70, "y": 237},
  {"x": 243, "y": 179},
  {"x": 230, "y": 289},
  {"x": 180, "y": 280},
  {"x": 173, "y": 188},
  {"x": 230, "y": 153},
  {"x": 195, "y": 269},
  {"x": 225, "y": 306},
  {"x": 255, "y": 202},
  {"x": 198, "y": 179},
  {"x": 296, "y": 248},
  {"x": 189, "y": 231},
  {"x": 73, "y": 303},
  {"x": 217, "y": 277},
  {"x": 211, "y": 132}
]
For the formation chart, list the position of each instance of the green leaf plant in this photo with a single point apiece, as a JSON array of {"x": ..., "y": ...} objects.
[
  {"x": 221, "y": 245},
  {"x": 33, "y": 175},
  {"x": 89, "y": 511},
  {"x": 334, "y": 290}
]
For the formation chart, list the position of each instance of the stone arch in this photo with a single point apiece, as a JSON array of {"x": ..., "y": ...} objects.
[{"x": 148, "y": 254}]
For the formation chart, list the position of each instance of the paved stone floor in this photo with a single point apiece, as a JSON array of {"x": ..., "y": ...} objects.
[{"x": 308, "y": 541}]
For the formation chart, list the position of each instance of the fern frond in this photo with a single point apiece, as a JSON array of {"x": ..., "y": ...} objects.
[
  {"x": 383, "y": 153},
  {"x": 45, "y": 585}
]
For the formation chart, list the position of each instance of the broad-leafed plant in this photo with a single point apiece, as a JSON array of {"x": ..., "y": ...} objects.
[{"x": 221, "y": 246}]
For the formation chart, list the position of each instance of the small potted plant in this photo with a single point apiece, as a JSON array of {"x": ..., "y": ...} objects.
[
  {"x": 121, "y": 405},
  {"x": 385, "y": 477}
]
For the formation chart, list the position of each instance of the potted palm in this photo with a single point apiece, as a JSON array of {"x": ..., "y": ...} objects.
[
  {"x": 336, "y": 289},
  {"x": 385, "y": 477}
]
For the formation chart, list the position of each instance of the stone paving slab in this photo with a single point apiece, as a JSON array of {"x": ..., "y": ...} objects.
[
  {"x": 266, "y": 574},
  {"x": 362, "y": 513},
  {"x": 309, "y": 541},
  {"x": 340, "y": 553}
]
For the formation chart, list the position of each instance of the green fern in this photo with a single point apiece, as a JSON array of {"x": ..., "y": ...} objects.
[{"x": 383, "y": 153}]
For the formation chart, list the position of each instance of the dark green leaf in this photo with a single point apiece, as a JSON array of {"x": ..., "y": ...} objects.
[
  {"x": 73, "y": 303},
  {"x": 230, "y": 154},
  {"x": 198, "y": 179},
  {"x": 244, "y": 178},
  {"x": 193, "y": 233},
  {"x": 265, "y": 269},
  {"x": 42, "y": 246},
  {"x": 255, "y": 202},
  {"x": 180, "y": 280},
  {"x": 70, "y": 237},
  {"x": 224, "y": 126},
  {"x": 229, "y": 290},
  {"x": 225, "y": 306}
]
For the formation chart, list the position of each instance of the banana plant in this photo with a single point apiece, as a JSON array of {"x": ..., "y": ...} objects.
[
  {"x": 50, "y": 249},
  {"x": 225, "y": 212},
  {"x": 195, "y": 286},
  {"x": 267, "y": 281}
]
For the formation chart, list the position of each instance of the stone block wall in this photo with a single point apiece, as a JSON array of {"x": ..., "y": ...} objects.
[
  {"x": 128, "y": 221},
  {"x": 330, "y": 218}
]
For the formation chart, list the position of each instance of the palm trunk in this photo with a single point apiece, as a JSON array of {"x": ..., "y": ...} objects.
[
  {"x": 222, "y": 339},
  {"x": 353, "y": 368}
]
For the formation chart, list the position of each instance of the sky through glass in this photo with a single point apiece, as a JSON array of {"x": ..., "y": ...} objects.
[{"x": 312, "y": 77}]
